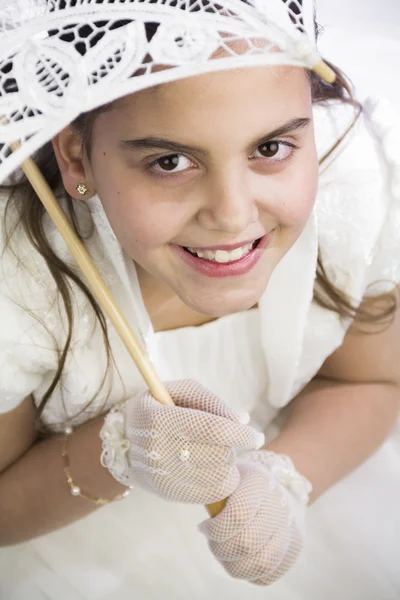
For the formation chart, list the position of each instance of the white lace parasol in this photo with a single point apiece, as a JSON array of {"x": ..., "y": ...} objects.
[{"x": 59, "y": 58}]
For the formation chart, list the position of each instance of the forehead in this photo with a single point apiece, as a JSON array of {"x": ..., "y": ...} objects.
[{"x": 272, "y": 89}]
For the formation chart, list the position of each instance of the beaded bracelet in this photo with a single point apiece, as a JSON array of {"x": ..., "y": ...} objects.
[{"x": 75, "y": 489}]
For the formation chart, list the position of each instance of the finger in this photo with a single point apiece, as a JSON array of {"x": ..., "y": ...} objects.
[
  {"x": 264, "y": 562},
  {"x": 200, "y": 464},
  {"x": 178, "y": 491},
  {"x": 189, "y": 475},
  {"x": 189, "y": 393},
  {"x": 250, "y": 540},
  {"x": 197, "y": 455},
  {"x": 193, "y": 425},
  {"x": 240, "y": 509},
  {"x": 179, "y": 452},
  {"x": 155, "y": 420},
  {"x": 291, "y": 556},
  {"x": 197, "y": 426}
]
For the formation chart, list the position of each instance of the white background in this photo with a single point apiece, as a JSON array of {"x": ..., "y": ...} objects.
[{"x": 363, "y": 38}]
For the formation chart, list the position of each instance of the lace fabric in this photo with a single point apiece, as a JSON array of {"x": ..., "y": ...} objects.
[
  {"x": 260, "y": 533},
  {"x": 115, "y": 446},
  {"x": 183, "y": 453}
]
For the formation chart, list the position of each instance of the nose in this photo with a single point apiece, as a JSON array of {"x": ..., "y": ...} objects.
[{"x": 229, "y": 204}]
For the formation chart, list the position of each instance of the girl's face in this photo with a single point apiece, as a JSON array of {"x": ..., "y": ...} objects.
[{"x": 211, "y": 163}]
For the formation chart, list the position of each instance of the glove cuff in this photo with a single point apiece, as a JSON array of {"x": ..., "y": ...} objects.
[
  {"x": 115, "y": 446},
  {"x": 284, "y": 472}
]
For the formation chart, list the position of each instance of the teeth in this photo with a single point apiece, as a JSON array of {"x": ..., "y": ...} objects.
[{"x": 222, "y": 256}]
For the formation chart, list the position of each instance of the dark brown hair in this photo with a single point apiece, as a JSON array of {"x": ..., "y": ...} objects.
[{"x": 30, "y": 214}]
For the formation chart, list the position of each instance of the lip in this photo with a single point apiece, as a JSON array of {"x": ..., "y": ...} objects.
[{"x": 236, "y": 268}]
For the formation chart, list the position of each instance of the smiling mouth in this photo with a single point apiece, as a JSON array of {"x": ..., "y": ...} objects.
[{"x": 223, "y": 256}]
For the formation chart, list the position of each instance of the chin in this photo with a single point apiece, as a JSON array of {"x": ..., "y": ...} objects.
[{"x": 224, "y": 304}]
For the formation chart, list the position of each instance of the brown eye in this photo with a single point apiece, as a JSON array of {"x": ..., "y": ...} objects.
[
  {"x": 172, "y": 164},
  {"x": 169, "y": 163},
  {"x": 269, "y": 150},
  {"x": 277, "y": 152}
]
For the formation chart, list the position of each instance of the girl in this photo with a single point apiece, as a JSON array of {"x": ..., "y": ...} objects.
[{"x": 246, "y": 221}]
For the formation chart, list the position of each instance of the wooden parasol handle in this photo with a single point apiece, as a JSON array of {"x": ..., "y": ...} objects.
[
  {"x": 101, "y": 291},
  {"x": 325, "y": 72}
]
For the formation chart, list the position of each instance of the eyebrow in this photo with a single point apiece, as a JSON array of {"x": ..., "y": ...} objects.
[{"x": 151, "y": 143}]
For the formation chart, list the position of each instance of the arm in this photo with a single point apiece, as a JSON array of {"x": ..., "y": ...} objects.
[
  {"x": 35, "y": 497},
  {"x": 339, "y": 419},
  {"x": 345, "y": 413}
]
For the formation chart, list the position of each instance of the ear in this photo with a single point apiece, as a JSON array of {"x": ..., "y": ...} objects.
[{"x": 73, "y": 165}]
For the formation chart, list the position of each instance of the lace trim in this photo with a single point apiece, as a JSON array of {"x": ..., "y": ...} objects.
[
  {"x": 284, "y": 472},
  {"x": 115, "y": 446}
]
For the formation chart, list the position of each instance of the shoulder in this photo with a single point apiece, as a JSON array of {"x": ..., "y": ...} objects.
[
  {"x": 25, "y": 279},
  {"x": 26, "y": 265},
  {"x": 358, "y": 217},
  {"x": 26, "y": 351},
  {"x": 359, "y": 195},
  {"x": 34, "y": 325}
]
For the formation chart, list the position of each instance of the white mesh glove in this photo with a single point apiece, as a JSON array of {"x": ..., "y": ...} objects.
[
  {"x": 260, "y": 533},
  {"x": 183, "y": 453}
]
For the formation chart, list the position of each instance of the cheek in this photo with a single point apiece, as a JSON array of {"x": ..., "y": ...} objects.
[
  {"x": 137, "y": 221},
  {"x": 141, "y": 221},
  {"x": 138, "y": 215},
  {"x": 142, "y": 217},
  {"x": 300, "y": 194}
]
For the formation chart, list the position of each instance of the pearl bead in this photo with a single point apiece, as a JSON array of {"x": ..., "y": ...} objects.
[
  {"x": 154, "y": 455},
  {"x": 126, "y": 493},
  {"x": 184, "y": 454},
  {"x": 75, "y": 490},
  {"x": 68, "y": 430}
]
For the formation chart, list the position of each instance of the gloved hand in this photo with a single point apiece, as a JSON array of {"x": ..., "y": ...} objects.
[
  {"x": 260, "y": 533},
  {"x": 183, "y": 453}
]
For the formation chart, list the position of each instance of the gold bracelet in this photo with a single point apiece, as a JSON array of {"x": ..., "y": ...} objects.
[{"x": 75, "y": 489}]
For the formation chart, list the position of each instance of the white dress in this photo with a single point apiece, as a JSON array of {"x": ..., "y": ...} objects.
[{"x": 257, "y": 361}]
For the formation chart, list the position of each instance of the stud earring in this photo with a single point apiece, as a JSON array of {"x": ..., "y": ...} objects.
[{"x": 82, "y": 189}]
